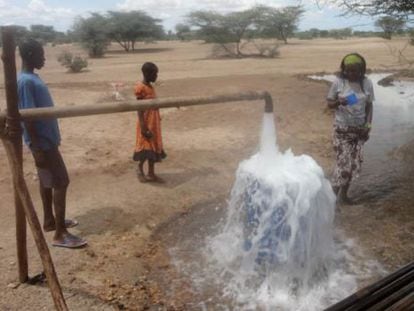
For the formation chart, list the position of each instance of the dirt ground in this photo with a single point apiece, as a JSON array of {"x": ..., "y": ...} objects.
[{"x": 119, "y": 216}]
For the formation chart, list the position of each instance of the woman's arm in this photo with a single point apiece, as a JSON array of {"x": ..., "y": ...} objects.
[
  {"x": 333, "y": 100},
  {"x": 368, "y": 113},
  {"x": 369, "y": 106},
  {"x": 335, "y": 103}
]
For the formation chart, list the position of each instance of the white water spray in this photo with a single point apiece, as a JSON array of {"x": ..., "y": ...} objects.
[{"x": 276, "y": 249}]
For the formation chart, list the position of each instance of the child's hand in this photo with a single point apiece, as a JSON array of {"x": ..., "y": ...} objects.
[
  {"x": 147, "y": 134},
  {"x": 364, "y": 133},
  {"x": 342, "y": 101},
  {"x": 39, "y": 157}
]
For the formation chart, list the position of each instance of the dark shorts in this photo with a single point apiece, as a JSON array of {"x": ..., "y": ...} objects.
[{"x": 54, "y": 174}]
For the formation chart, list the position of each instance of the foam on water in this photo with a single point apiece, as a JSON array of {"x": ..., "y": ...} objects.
[
  {"x": 275, "y": 249},
  {"x": 277, "y": 243}
]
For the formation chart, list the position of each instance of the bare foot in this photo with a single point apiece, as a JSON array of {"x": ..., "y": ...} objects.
[
  {"x": 141, "y": 177},
  {"x": 155, "y": 178},
  {"x": 69, "y": 223}
]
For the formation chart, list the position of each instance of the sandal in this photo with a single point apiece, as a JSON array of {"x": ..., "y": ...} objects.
[{"x": 70, "y": 241}]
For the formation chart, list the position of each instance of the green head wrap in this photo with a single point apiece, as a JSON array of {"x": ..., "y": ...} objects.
[{"x": 352, "y": 59}]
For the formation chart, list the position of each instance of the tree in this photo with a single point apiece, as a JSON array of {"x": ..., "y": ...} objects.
[
  {"x": 279, "y": 22},
  {"x": 62, "y": 38},
  {"x": 20, "y": 33},
  {"x": 223, "y": 29},
  {"x": 126, "y": 28},
  {"x": 398, "y": 8},
  {"x": 341, "y": 33},
  {"x": 182, "y": 31},
  {"x": 390, "y": 25},
  {"x": 92, "y": 34},
  {"x": 411, "y": 32},
  {"x": 43, "y": 33}
]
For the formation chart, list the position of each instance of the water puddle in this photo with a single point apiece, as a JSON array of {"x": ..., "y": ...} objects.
[{"x": 393, "y": 127}]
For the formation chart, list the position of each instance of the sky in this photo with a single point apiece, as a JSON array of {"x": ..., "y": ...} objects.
[{"x": 62, "y": 14}]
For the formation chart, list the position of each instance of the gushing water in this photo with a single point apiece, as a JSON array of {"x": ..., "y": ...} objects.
[{"x": 276, "y": 249}]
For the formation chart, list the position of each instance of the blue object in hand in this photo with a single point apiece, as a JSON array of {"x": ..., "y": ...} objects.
[{"x": 351, "y": 99}]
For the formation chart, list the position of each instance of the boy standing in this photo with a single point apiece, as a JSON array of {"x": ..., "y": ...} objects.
[{"x": 43, "y": 139}]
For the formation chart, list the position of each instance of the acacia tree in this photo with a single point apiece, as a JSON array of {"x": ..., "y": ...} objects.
[
  {"x": 182, "y": 31},
  {"x": 402, "y": 9},
  {"x": 92, "y": 34},
  {"x": 43, "y": 33},
  {"x": 223, "y": 29},
  {"x": 278, "y": 22},
  {"x": 376, "y": 7},
  {"x": 126, "y": 28},
  {"x": 390, "y": 25}
]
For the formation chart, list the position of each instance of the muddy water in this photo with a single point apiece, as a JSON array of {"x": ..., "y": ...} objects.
[
  {"x": 393, "y": 129},
  {"x": 386, "y": 179}
]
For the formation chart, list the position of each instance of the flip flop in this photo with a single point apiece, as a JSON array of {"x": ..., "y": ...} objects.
[
  {"x": 70, "y": 223},
  {"x": 37, "y": 279},
  {"x": 70, "y": 241}
]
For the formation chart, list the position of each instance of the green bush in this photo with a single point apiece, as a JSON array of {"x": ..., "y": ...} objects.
[
  {"x": 73, "y": 63},
  {"x": 412, "y": 36}
]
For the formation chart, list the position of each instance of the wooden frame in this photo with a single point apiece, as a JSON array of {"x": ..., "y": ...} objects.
[{"x": 10, "y": 134}]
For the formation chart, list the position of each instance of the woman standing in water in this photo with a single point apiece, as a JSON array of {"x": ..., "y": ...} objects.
[{"x": 351, "y": 95}]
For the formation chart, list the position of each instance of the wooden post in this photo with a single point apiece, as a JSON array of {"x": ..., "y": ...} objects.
[
  {"x": 368, "y": 292},
  {"x": 14, "y": 127},
  {"x": 11, "y": 137},
  {"x": 21, "y": 234}
]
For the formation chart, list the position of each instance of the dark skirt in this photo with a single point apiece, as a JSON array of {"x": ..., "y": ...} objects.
[{"x": 149, "y": 155}]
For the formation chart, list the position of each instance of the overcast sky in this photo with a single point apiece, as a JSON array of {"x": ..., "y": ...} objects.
[{"x": 61, "y": 14}]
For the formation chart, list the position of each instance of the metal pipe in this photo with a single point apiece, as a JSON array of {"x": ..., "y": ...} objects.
[{"x": 94, "y": 109}]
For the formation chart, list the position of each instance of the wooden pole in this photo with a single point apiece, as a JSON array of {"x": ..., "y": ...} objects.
[
  {"x": 383, "y": 293},
  {"x": 14, "y": 127},
  {"x": 21, "y": 242},
  {"x": 394, "y": 298},
  {"x": 86, "y": 110},
  {"x": 367, "y": 292},
  {"x": 404, "y": 304},
  {"x": 11, "y": 138}
]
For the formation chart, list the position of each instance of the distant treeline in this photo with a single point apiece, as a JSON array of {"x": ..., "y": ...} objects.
[
  {"x": 47, "y": 34},
  {"x": 343, "y": 33},
  {"x": 96, "y": 32}
]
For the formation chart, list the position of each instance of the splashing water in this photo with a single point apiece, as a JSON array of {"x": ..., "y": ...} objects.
[{"x": 276, "y": 250}]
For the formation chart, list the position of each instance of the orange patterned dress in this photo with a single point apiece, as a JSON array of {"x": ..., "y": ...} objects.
[{"x": 148, "y": 148}]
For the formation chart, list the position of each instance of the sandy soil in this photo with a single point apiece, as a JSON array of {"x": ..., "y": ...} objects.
[{"x": 118, "y": 215}]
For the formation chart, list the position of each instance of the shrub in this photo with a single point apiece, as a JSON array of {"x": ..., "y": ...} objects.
[
  {"x": 268, "y": 50},
  {"x": 73, "y": 63}
]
